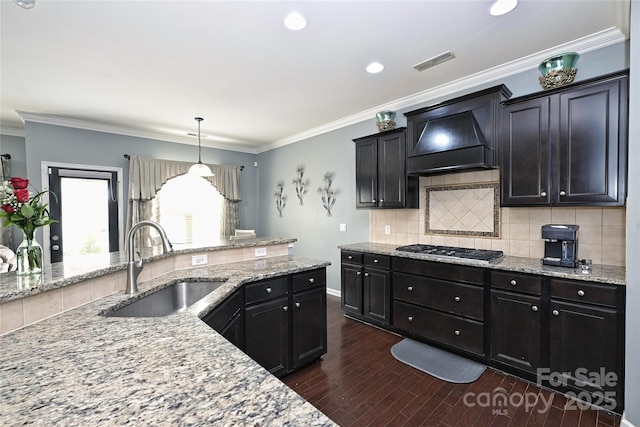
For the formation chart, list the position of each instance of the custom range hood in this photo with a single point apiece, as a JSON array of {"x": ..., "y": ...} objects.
[{"x": 460, "y": 134}]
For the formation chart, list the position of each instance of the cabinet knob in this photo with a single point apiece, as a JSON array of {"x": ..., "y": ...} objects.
[
  {"x": 366, "y": 274},
  {"x": 513, "y": 282},
  {"x": 410, "y": 318},
  {"x": 311, "y": 280},
  {"x": 409, "y": 288},
  {"x": 268, "y": 290},
  {"x": 456, "y": 332},
  {"x": 580, "y": 292},
  {"x": 562, "y": 193},
  {"x": 556, "y": 313},
  {"x": 374, "y": 200},
  {"x": 285, "y": 308},
  {"x": 534, "y": 308},
  {"x": 381, "y": 200},
  {"x": 349, "y": 257},
  {"x": 543, "y": 194},
  {"x": 375, "y": 261},
  {"x": 358, "y": 273},
  {"x": 457, "y": 299},
  {"x": 297, "y": 305}
]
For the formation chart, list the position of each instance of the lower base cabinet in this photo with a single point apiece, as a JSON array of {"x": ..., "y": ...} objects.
[{"x": 281, "y": 323}]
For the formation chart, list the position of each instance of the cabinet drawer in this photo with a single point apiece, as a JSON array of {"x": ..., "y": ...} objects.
[
  {"x": 440, "y": 270},
  {"x": 445, "y": 328},
  {"x": 516, "y": 282},
  {"x": 351, "y": 257},
  {"x": 266, "y": 289},
  {"x": 590, "y": 293},
  {"x": 380, "y": 261},
  {"x": 309, "y": 279},
  {"x": 455, "y": 298}
]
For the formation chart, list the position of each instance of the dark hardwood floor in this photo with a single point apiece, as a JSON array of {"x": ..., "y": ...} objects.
[{"x": 359, "y": 383}]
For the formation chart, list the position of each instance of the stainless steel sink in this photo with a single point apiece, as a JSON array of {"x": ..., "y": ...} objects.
[{"x": 170, "y": 300}]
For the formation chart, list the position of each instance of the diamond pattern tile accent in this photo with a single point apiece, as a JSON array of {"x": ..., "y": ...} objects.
[{"x": 463, "y": 210}]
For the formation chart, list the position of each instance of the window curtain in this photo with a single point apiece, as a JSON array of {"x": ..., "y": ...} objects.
[
  {"x": 146, "y": 177},
  {"x": 6, "y": 233}
]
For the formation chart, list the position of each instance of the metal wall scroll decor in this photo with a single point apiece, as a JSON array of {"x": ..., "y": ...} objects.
[
  {"x": 302, "y": 185},
  {"x": 281, "y": 198},
  {"x": 327, "y": 194}
]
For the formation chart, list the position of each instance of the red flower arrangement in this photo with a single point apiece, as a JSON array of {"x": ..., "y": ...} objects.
[{"x": 22, "y": 209}]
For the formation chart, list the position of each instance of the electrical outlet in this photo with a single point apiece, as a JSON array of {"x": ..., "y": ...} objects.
[
  {"x": 343, "y": 227},
  {"x": 261, "y": 251},
  {"x": 199, "y": 259},
  {"x": 387, "y": 229}
]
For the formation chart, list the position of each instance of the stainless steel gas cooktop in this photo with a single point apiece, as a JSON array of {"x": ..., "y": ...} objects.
[{"x": 478, "y": 255}]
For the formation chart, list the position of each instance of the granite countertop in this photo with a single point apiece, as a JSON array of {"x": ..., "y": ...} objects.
[
  {"x": 599, "y": 273},
  {"x": 67, "y": 273},
  {"x": 81, "y": 368}
]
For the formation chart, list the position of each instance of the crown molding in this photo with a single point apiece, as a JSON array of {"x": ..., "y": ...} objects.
[
  {"x": 594, "y": 41},
  {"x": 11, "y": 131},
  {"x": 51, "y": 119}
]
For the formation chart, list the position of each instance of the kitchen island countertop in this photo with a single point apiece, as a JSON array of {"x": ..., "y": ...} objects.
[
  {"x": 82, "y": 368},
  {"x": 599, "y": 273}
]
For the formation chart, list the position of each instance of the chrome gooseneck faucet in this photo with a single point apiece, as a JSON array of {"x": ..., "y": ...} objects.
[{"x": 134, "y": 268}]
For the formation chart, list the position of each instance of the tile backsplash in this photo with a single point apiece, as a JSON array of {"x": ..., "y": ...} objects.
[{"x": 601, "y": 235}]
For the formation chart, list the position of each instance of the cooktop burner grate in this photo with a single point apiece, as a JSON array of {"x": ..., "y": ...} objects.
[{"x": 453, "y": 252}]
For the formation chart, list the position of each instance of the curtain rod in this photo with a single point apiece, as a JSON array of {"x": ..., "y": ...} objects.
[
  {"x": 6, "y": 156},
  {"x": 128, "y": 157}
]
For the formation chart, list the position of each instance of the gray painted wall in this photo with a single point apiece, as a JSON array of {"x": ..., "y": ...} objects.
[
  {"x": 318, "y": 236},
  {"x": 632, "y": 374}
]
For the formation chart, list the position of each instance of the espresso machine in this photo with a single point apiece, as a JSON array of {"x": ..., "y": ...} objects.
[{"x": 561, "y": 245}]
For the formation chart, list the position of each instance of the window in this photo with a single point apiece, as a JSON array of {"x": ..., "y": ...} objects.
[{"x": 189, "y": 208}]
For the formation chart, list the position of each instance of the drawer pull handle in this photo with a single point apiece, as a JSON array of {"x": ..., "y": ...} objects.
[
  {"x": 456, "y": 332},
  {"x": 297, "y": 305},
  {"x": 534, "y": 307},
  {"x": 457, "y": 299},
  {"x": 556, "y": 313},
  {"x": 268, "y": 290},
  {"x": 409, "y": 288},
  {"x": 285, "y": 308},
  {"x": 513, "y": 282},
  {"x": 311, "y": 280},
  {"x": 375, "y": 261},
  {"x": 410, "y": 318},
  {"x": 580, "y": 293}
]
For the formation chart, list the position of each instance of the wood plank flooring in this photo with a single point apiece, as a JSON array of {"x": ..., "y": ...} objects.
[{"x": 359, "y": 383}]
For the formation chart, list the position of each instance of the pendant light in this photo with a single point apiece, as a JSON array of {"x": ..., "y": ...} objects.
[{"x": 200, "y": 169}]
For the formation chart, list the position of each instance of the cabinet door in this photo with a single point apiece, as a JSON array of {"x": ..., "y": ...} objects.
[
  {"x": 377, "y": 295},
  {"x": 592, "y": 145},
  {"x": 352, "y": 288},
  {"x": 391, "y": 171},
  {"x": 234, "y": 330},
  {"x": 367, "y": 173},
  {"x": 525, "y": 145},
  {"x": 309, "y": 326},
  {"x": 515, "y": 330},
  {"x": 585, "y": 338},
  {"x": 267, "y": 334}
]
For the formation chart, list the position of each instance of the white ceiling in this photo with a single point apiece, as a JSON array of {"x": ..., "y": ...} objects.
[{"x": 147, "y": 68}]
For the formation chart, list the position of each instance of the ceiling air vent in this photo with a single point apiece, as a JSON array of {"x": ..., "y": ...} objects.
[{"x": 436, "y": 60}]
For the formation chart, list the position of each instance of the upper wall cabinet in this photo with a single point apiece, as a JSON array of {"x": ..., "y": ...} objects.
[
  {"x": 381, "y": 177},
  {"x": 567, "y": 146}
]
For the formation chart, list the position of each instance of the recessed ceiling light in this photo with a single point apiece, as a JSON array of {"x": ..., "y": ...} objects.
[
  {"x": 500, "y": 7},
  {"x": 375, "y": 67},
  {"x": 26, "y": 4},
  {"x": 295, "y": 21}
]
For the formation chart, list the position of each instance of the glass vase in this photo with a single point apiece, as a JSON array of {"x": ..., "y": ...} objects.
[{"x": 29, "y": 257}]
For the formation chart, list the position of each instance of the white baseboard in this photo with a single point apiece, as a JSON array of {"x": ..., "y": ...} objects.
[
  {"x": 624, "y": 422},
  {"x": 334, "y": 292}
]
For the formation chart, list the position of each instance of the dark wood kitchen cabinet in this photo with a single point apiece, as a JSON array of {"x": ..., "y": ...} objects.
[
  {"x": 516, "y": 320},
  {"x": 228, "y": 319},
  {"x": 566, "y": 146},
  {"x": 381, "y": 178},
  {"x": 366, "y": 286},
  {"x": 587, "y": 337},
  {"x": 442, "y": 303}
]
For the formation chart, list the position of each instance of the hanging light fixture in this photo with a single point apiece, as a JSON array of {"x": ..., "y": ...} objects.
[{"x": 199, "y": 168}]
